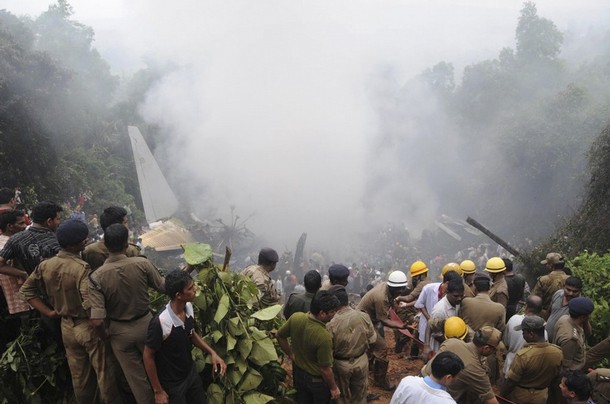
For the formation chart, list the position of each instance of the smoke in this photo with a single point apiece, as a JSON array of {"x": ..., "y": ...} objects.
[{"x": 284, "y": 109}]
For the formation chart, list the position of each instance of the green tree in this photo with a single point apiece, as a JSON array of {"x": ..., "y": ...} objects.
[{"x": 537, "y": 38}]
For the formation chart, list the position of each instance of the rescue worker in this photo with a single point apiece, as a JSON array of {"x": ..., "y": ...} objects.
[
  {"x": 447, "y": 307},
  {"x": 600, "y": 379},
  {"x": 547, "y": 285},
  {"x": 376, "y": 303},
  {"x": 499, "y": 290},
  {"x": 405, "y": 309},
  {"x": 267, "y": 260},
  {"x": 472, "y": 384},
  {"x": 479, "y": 311},
  {"x": 535, "y": 366},
  {"x": 352, "y": 332},
  {"x": 516, "y": 288},
  {"x": 300, "y": 302},
  {"x": 468, "y": 268}
]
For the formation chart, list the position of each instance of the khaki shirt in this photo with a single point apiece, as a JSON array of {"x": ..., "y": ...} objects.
[
  {"x": 571, "y": 339},
  {"x": 499, "y": 292},
  {"x": 268, "y": 295},
  {"x": 546, "y": 286},
  {"x": 472, "y": 384},
  {"x": 352, "y": 332},
  {"x": 119, "y": 288},
  {"x": 480, "y": 311},
  {"x": 536, "y": 365},
  {"x": 417, "y": 291},
  {"x": 468, "y": 291},
  {"x": 62, "y": 283},
  {"x": 96, "y": 253},
  {"x": 376, "y": 303}
]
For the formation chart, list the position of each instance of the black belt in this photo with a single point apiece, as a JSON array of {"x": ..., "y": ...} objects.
[{"x": 131, "y": 319}]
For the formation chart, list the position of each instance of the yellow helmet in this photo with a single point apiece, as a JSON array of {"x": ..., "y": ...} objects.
[
  {"x": 468, "y": 267},
  {"x": 495, "y": 265},
  {"x": 418, "y": 268},
  {"x": 455, "y": 327},
  {"x": 452, "y": 266}
]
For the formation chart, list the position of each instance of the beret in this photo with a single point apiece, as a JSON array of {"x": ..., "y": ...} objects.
[
  {"x": 579, "y": 306},
  {"x": 338, "y": 271},
  {"x": 71, "y": 232},
  {"x": 481, "y": 275}
]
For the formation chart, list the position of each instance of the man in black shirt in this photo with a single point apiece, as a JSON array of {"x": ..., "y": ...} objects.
[{"x": 516, "y": 286}]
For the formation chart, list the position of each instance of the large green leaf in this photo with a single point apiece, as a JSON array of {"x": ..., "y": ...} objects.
[
  {"x": 256, "y": 398},
  {"x": 217, "y": 335},
  {"x": 230, "y": 342},
  {"x": 267, "y": 313},
  {"x": 215, "y": 394},
  {"x": 263, "y": 352},
  {"x": 244, "y": 346},
  {"x": 197, "y": 253},
  {"x": 201, "y": 302},
  {"x": 234, "y": 328},
  {"x": 240, "y": 363},
  {"x": 223, "y": 308},
  {"x": 257, "y": 334},
  {"x": 250, "y": 381},
  {"x": 234, "y": 376},
  {"x": 226, "y": 277}
]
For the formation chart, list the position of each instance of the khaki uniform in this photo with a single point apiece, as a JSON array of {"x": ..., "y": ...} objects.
[
  {"x": 600, "y": 379},
  {"x": 96, "y": 253},
  {"x": 546, "y": 286},
  {"x": 119, "y": 291},
  {"x": 534, "y": 369},
  {"x": 571, "y": 339},
  {"x": 268, "y": 295},
  {"x": 597, "y": 353},
  {"x": 407, "y": 314},
  {"x": 376, "y": 303},
  {"x": 62, "y": 283},
  {"x": 499, "y": 292},
  {"x": 468, "y": 291},
  {"x": 471, "y": 385},
  {"x": 480, "y": 311},
  {"x": 352, "y": 332}
]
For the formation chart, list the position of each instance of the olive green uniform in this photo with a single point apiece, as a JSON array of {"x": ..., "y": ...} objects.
[
  {"x": 376, "y": 303},
  {"x": 546, "y": 286},
  {"x": 352, "y": 332},
  {"x": 268, "y": 295},
  {"x": 62, "y": 282},
  {"x": 471, "y": 385},
  {"x": 499, "y": 292},
  {"x": 119, "y": 292},
  {"x": 534, "y": 368},
  {"x": 96, "y": 253},
  {"x": 297, "y": 303}
]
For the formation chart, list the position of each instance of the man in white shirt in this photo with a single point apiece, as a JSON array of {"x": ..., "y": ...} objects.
[
  {"x": 514, "y": 339},
  {"x": 430, "y": 389}
]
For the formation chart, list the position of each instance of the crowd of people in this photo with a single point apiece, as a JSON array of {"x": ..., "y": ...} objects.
[{"x": 473, "y": 329}]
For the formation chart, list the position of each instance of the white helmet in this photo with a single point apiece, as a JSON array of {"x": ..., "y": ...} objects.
[{"x": 397, "y": 279}]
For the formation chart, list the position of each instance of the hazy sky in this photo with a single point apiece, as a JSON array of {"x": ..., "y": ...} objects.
[{"x": 271, "y": 107}]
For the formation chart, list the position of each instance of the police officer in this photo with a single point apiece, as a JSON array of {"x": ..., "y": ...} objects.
[
  {"x": 547, "y": 285},
  {"x": 534, "y": 367},
  {"x": 352, "y": 332},
  {"x": 479, "y": 311},
  {"x": 468, "y": 268},
  {"x": 337, "y": 275},
  {"x": 62, "y": 280},
  {"x": 267, "y": 260}
]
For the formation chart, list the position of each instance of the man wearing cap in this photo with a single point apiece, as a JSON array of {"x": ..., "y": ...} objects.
[
  {"x": 472, "y": 384},
  {"x": 118, "y": 292},
  {"x": 376, "y": 303},
  {"x": 513, "y": 338},
  {"x": 535, "y": 366},
  {"x": 352, "y": 332},
  {"x": 62, "y": 282},
  {"x": 300, "y": 302},
  {"x": 559, "y": 302},
  {"x": 468, "y": 268},
  {"x": 480, "y": 311},
  {"x": 569, "y": 333},
  {"x": 547, "y": 285},
  {"x": 499, "y": 290},
  {"x": 337, "y": 275},
  {"x": 267, "y": 259}
]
